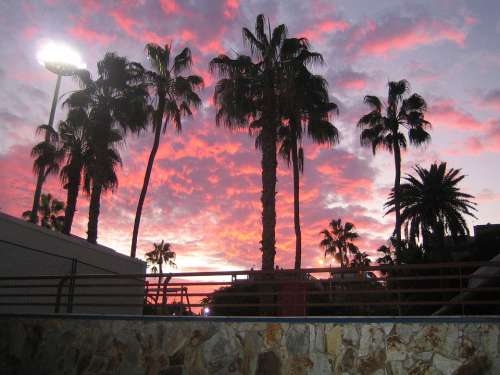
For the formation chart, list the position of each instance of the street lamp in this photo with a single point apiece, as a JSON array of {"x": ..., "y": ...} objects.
[{"x": 61, "y": 60}]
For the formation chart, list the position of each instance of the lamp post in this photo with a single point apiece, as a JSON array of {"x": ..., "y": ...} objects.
[{"x": 62, "y": 61}]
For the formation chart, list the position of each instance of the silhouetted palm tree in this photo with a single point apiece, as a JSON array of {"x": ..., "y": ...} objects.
[
  {"x": 49, "y": 213},
  {"x": 433, "y": 205},
  {"x": 338, "y": 241},
  {"x": 175, "y": 96},
  {"x": 248, "y": 95},
  {"x": 161, "y": 254},
  {"x": 384, "y": 130},
  {"x": 360, "y": 259},
  {"x": 306, "y": 107},
  {"x": 48, "y": 156},
  {"x": 116, "y": 102},
  {"x": 73, "y": 136}
]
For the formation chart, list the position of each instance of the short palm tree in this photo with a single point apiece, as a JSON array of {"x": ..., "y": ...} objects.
[
  {"x": 338, "y": 241},
  {"x": 73, "y": 136},
  {"x": 116, "y": 102},
  {"x": 49, "y": 213},
  {"x": 48, "y": 157},
  {"x": 384, "y": 130},
  {"x": 175, "y": 97},
  {"x": 160, "y": 255},
  {"x": 433, "y": 205},
  {"x": 306, "y": 108}
]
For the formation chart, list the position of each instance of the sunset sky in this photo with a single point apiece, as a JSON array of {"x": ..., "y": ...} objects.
[{"x": 205, "y": 189}]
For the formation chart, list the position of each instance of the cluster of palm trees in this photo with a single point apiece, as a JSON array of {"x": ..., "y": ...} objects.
[{"x": 272, "y": 92}]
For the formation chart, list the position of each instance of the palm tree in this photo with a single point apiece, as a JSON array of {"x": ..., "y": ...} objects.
[
  {"x": 73, "y": 136},
  {"x": 116, "y": 102},
  {"x": 248, "y": 96},
  {"x": 381, "y": 130},
  {"x": 433, "y": 205},
  {"x": 49, "y": 213},
  {"x": 338, "y": 241},
  {"x": 48, "y": 157},
  {"x": 360, "y": 259},
  {"x": 175, "y": 95},
  {"x": 306, "y": 106},
  {"x": 161, "y": 254}
]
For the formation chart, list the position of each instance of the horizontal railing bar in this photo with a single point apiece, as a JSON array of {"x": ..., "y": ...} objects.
[
  {"x": 257, "y": 294},
  {"x": 338, "y": 270},
  {"x": 377, "y": 303},
  {"x": 267, "y": 282}
]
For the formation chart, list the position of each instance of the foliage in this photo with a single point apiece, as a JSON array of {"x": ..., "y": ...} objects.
[
  {"x": 161, "y": 254},
  {"x": 380, "y": 130},
  {"x": 433, "y": 206},
  {"x": 115, "y": 103},
  {"x": 338, "y": 241},
  {"x": 49, "y": 213},
  {"x": 174, "y": 95}
]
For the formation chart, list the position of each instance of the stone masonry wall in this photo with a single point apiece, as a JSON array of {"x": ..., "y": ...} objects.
[{"x": 201, "y": 347}]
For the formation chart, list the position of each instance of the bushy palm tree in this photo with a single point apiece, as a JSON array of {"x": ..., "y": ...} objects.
[
  {"x": 49, "y": 213},
  {"x": 383, "y": 128},
  {"x": 116, "y": 102},
  {"x": 73, "y": 136},
  {"x": 433, "y": 205},
  {"x": 175, "y": 95},
  {"x": 48, "y": 156},
  {"x": 306, "y": 108},
  {"x": 338, "y": 241},
  {"x": 248, "y": 96},
  {"x": 160, "y": 255}
]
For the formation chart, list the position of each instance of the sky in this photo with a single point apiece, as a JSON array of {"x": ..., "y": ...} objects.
[{"x": 204, "y": 195}]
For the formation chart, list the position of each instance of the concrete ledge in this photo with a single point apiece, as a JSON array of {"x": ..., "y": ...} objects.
[{"x": 258, "y": 319}]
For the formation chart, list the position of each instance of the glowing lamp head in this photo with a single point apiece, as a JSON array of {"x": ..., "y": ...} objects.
[
  {"x": 206, "y": 311},
  {"x": 60, "y": 59}
]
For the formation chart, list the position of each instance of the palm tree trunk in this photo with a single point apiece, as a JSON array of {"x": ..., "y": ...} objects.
[
  {"x": 268, "y": 198},
  {"x": 147, "y": 176},
  {"x": 94, "y": 208},
  {"x": 71, "y": 199},
  {"x": 36, "y": 199},
  {"x": 160, "y": 269},
  {"x": 41, "y": 177},
  {"x": 397, "y": 201},
  {"x": 296, "y": 206}
]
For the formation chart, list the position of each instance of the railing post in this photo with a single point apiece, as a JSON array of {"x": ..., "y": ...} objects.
[
  {"x": 461, "y": 288},
  {"x": 71, "y": 290},
  {"x": 59, "y": 292},
  {"x": 399, "y": 298}
]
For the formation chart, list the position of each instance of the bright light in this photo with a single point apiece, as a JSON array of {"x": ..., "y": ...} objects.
[
  {"x": 60, "y": 58},
  {"x": 206, "y": 311}
]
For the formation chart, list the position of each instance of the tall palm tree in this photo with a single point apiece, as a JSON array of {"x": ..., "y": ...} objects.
[
  {"x": 49, "y": 213},
  {"x": 175, "y": 96},
  {"x": 433, "y": 205},
  {"x": 73, "y": 136},
  {"x": 306, "y": 106},
  {"x": 248, "y": 96},
  {"x": 338, "y": 241},
  {"x": 161, "y": 254},
  {"x": 116, "y": 102},
  {"x": 384, "y": 130}
]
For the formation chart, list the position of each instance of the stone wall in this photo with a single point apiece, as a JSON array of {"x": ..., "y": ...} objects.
[{"x": 197, "y": 346}]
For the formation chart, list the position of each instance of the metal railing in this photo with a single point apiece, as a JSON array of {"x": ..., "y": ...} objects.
[{"x": 418, "y": 289}]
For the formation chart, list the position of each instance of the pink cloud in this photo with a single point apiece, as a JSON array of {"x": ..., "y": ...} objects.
[
  {"x": 396, "y": 34},
  {"x": 320, "y": 30},
  {"x": 445, "y": 113},
  {"x": 90, "y": 36},
  {"x": 231, "y": 8}
]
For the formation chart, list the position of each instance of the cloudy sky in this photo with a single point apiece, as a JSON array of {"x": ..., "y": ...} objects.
[{"x": 205, "y": 189}]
